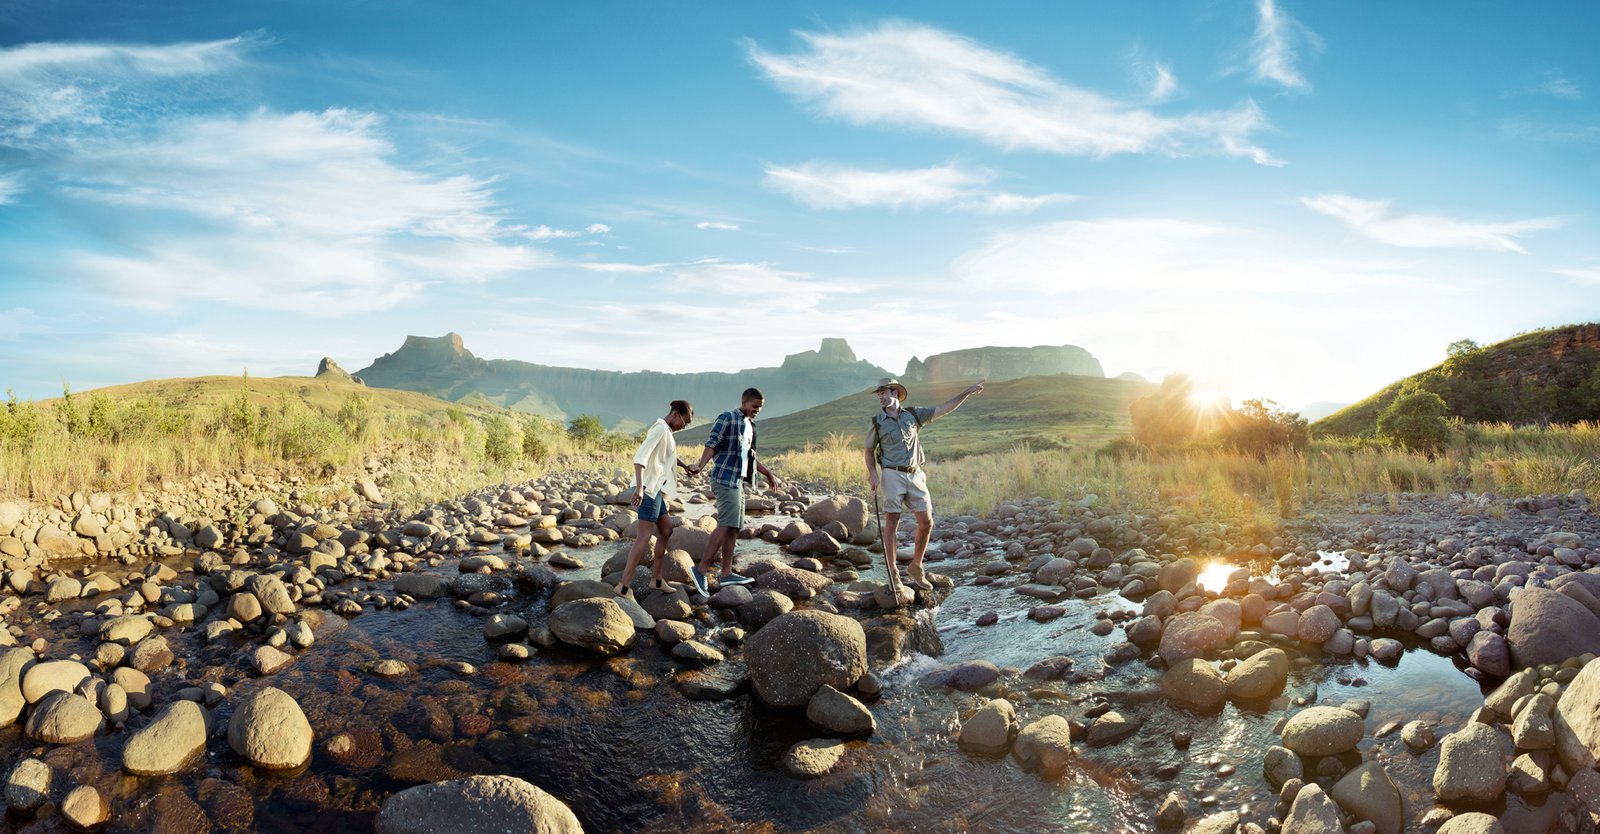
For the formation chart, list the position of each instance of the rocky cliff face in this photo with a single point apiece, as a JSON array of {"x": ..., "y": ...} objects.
[
  {"x": 997, "y": 363},
  {"x": 443, "y": 367}
]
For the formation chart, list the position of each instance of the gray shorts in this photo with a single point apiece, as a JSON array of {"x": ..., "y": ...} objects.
[
  {"x": 904, "y": 491},
  {"x": 730, "y": 504}
]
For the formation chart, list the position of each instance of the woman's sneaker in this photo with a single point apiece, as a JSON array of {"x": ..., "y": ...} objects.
[{"x": 733, "y": 579}]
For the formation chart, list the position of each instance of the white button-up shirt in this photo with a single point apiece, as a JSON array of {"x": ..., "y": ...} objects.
[{"x": 658, "y": 454}]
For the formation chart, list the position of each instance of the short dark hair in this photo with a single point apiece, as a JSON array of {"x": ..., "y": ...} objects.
[
  {"x": 682, "y": 407},
  {"x": 751, "y": 394}
]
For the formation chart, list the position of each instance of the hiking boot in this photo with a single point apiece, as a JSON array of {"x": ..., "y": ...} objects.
[
  {"x": 699, "y": 577},
  {"x": 733, "y": 579},
  {"x": 917, "y": 579}
]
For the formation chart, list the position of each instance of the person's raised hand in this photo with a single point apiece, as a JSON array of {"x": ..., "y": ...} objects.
[{"x": 977, "y": 388}]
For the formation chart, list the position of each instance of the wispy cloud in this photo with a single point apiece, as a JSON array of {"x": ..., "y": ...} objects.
[
  {"x": 301, "y": 211},
  {"x": 72, "y": 85},
  {"x": 1556, "y": 84},
  {"x": 824, "y": 185},
  {"x": 920, "y": 77},
  {"x": 1570, "y": 132},
  {"x": 10, "y": 187},
  {"x": 762, "y": 286},
  {"x": 716, "y": 226},
  {"x": 1374, "y": 219},
  {"x": 1276, "y": 47},
  {"x": 597, "y": 229},
  {"x": 542, "y": 232},
  {"x": 1584, "y": 275}
]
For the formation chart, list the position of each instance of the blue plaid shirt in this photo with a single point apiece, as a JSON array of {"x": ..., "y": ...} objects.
[{"x": 726, "y": 467}]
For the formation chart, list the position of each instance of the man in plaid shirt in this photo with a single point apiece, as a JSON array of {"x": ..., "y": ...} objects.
[{"x": 733, "y": 446}]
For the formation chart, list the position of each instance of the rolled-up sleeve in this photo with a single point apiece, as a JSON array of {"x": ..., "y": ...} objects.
[
  {"x": 652, "y": 439},
  {"x": 717, "y": 430}
]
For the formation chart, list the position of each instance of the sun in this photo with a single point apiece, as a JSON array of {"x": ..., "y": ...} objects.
[{"x": 1207, "y": 401}]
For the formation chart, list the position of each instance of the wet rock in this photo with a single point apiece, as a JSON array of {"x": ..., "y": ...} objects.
[
  {"x": 1110, "y": 728},
  {"x": 1323, "y": 731},
  {"x": 422, "y": 585},
  {"x": 64, "y": 718},
  {"x": 1579, "y": 709},
  {"x": 1549, "y": 627},
  {"x": 597, "y": 624},
  {"x": 1317, "y": 624},
  {"x": 270, "y": 731},
  {"x": 268, "y": 660},
  {"x": 816, "y": 543},
  {"x": 1195, "y": 683},
  {"x": 801, "y": 651},
  {"x": 475, "y": 804},
  {"x": 28, "y": 785},
  {"x": 673, "y": 631},
  {"x": 1387, "y": 649},
  {"x": 1280, "y": 765},
  {"x": 695, "y": 651},
  {"x": 1417, "y": 736},
  {"x": 1489, "y": 653},
  {"x": 84, "y": 808},
  {"x": 1045, "y": 746},
  {"x": 135, "y": 683},
  {"x": 847, "y": 510},
  {"x": 1191, "y": 634},
  {"x": 1471, "y": 765},
  {"x": 990, "y": 729},
  {"x": 504, "y": 627},
  {"x": 813, "y": 758},
  {"x": 1258, "y": 676},
  {"x": 126, "y": 630},
  {"x": 168, "y": 743},
  {"x": 1530, "y": 773},
  {"x": 1225, "y": 822},
  {"x": 967, "y": 676},
  {"x": 764, "y": 607},
  {"x": 837, "y": 712},
  {"x": 731, "y": 596},
  {"x": 1367, "y": 793},
  {"x": 1312, "y": 813}
]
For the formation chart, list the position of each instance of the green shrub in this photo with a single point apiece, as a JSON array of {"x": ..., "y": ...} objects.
[
  {"x": 1261, "y": 428},
  {"x": 1416, "y": 421},
  {"x": 502, "y": 440},
  {"x": 355, "y": 416},
  {"x": 586, "y": 428},
  {"x": 20, "y": 421}
]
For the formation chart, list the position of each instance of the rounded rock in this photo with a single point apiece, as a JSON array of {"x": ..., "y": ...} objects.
[
  {"x": 269, "y": 730},
  {"x": 1323, "y": 731},
  {"x": 475, "y": 804}
]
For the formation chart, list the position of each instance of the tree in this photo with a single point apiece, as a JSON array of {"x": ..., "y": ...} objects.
[
  {"x": 1166, "y": 417},
  {"x": 1261, "y": 427},
  {"x": 1461, "y": 348},
  {"x": 1416, "y": 421},
  {"x": 586, "y": 428}
]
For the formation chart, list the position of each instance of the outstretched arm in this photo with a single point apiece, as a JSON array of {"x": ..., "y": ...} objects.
[{"x": 955, "y": 402}]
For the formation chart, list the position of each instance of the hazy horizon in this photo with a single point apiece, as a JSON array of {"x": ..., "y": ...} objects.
[{"x": 1285, "y": 200}]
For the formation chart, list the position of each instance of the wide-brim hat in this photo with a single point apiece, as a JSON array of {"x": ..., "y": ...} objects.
[{"x": 892, "y": 384}]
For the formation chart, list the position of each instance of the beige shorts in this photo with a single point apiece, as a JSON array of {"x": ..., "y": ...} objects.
[{"x": 904, "y": 491}]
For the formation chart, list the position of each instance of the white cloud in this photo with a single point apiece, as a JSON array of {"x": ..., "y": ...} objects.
[
  {"x": 716, "y": 226},
  {"x": 44, "y": 85},
  {"x": 1584, "y": 275},
  {"x": 546, "y": 233},
  {"x": 919, "y": 77},
  {"x": 597, "y": 229},
  {"x": 1557, "y": 85},
  {"x": 302, "y": 211},
  {"x": 1275, "y": 48},
  {"x": 1162, "y": 82},
  {"x": 759, "y": 286},
  {"x": 1374, "y": 219},
  {"x": 10, "y": 187},
  {"x": 824, "y": 185},
  {"x": 1159, "y": 254}
]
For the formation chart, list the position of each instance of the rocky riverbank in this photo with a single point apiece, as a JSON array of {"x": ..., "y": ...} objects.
[{"x": 388, "y": 648}]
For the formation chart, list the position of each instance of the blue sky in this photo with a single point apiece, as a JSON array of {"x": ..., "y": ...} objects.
[{"x": 1290, "y": 200}]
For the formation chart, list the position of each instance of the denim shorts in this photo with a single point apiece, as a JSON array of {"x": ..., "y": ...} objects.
[{"x": 653, "y": 507}]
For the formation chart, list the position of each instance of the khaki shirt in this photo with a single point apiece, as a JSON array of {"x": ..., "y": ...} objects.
[{"x": 896, "y": 438}]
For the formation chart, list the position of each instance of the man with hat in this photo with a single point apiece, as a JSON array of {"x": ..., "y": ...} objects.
[{"x": 894, "y": 444}]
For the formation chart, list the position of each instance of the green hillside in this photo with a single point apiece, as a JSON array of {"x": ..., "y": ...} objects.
[
  {"x": 1042, "y": 411},
  {"x": 1545, "y": 376},
  {"x": 324, "y": 393}
]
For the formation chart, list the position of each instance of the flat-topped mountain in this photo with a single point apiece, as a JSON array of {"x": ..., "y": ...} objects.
[
  {"x": 997, "y": 363},
  {"x": 442, "y": 366}
]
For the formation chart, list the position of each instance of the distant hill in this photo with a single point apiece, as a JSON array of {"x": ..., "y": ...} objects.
[
  {"x": 1547, "y": 375},
  {"x": 1130, "y": 376},
  {"x": 1318, "y": 410},
  {"x": 326, "y": 392},
  {"x": 998, "y": 363},
  {"x": 444, "y": 367},
  {"x": 1042, "y": 411}
]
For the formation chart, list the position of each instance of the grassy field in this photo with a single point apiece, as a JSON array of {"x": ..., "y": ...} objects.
[
  {"x": 128, "y": 437},
  {"x": 1222, "y": 485},
  {"x": 1043, "y": 412}
]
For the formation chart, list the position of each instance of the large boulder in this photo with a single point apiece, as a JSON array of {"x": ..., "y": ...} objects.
[
  {"x": 1195, "y": 683},
  {"x": 847, "y": 510},
  {"x": 422, "y": 585},
  {"x": 1312, "y": 813},
  {"x": 41, "y": 679},
  {"x": 475, "y": 804},
  {"x": 599, "y": 625},
  {"x": 1191, "y": 634},
  {"x": 1579, "y": 709},
  {"x": 1549, "y": 627},
  {"x": 1472, "y": 765},
  {"x": 14, "y": 664},
  {"x": 799, "y": 652},
  {"x": 1323, "y": 731},
  {"x": 270, "y": 731},
  {"x": 990, "y": 729},
  {"x": 64, "y": 718},
  {"x": 837, "y": 712},
  {"x": 1472, "y": 823},
  {"x": 1367, "y": 793},
  {"x": 1259, "y": 675},
  {"x": 168, "y": 743}
]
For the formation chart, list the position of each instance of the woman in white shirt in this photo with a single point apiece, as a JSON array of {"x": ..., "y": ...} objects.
[{"x": 654, "y": 479}]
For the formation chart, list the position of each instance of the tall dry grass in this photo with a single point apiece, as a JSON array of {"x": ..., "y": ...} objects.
[{"x": 1217, "y": 483}]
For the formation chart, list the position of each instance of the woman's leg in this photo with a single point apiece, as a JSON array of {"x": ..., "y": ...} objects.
[{"x": 641, "y": 540}]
